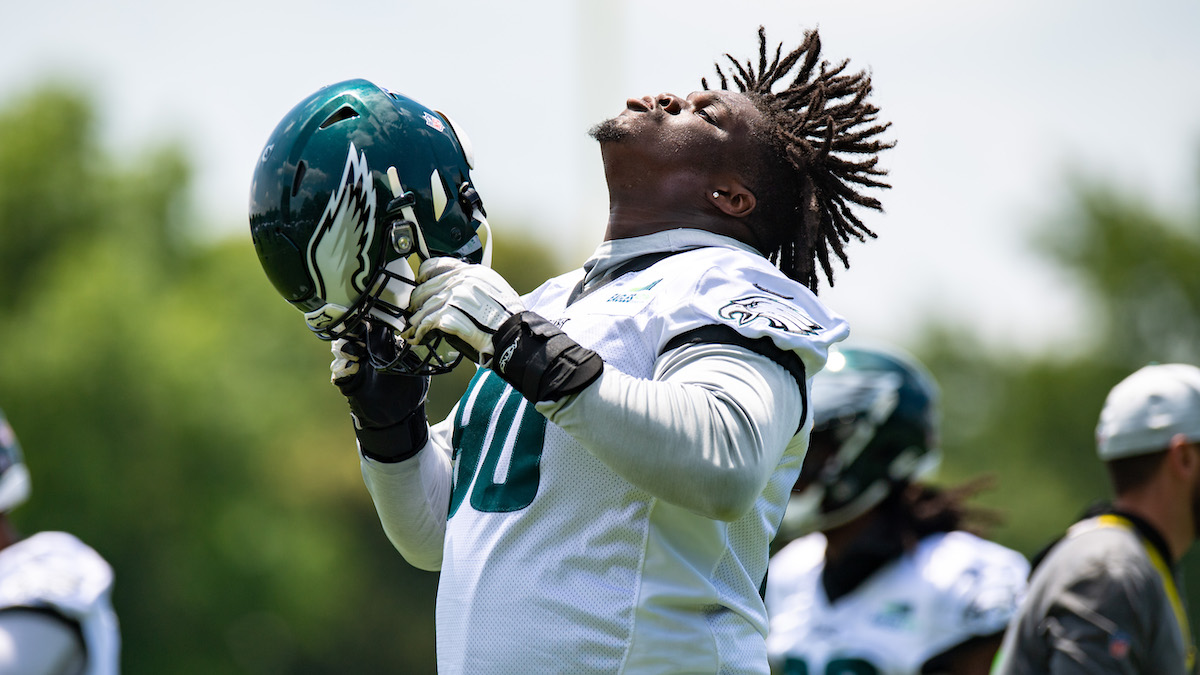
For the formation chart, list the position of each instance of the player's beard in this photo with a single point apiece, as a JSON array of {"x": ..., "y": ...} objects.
[{"x": 608, "y": 130}]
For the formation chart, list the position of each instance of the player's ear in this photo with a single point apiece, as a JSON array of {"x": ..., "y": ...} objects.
[
  {"x": 733, "y": 198},
  {"x": 1183, "y": 455}
]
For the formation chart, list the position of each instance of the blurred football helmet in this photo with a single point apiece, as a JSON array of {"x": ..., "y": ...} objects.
[
  {"x": 14, "y": 476},
  {"x": 353, "y": 182},
  {"x": 875, "y": 428}
]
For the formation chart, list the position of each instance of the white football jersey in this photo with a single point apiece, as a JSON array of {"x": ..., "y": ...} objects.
[
  {"x": 950, "y": 588},
  {"x": 555, "y": 563},
  {"x": 57, "y": 571}
]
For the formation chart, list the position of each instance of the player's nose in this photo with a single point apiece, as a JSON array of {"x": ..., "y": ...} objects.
[{"x": 669, "y": 102}]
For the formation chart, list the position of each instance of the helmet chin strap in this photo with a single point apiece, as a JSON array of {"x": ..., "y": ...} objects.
[
  {"x": 411, "y": 216},
  {"x": 407, "y": 210},
  {"x": 325, "y": 319},
  {"x": 391, "y": 309},
  {"x": 487, "y": 241}
]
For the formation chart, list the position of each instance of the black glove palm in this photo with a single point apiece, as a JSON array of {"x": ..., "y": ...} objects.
[{"x": 388, "y": 408}]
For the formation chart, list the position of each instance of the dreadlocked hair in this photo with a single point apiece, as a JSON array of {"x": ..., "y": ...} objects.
[
  {"x": 821, "y": 147},
  {"x": 928, "y": 509}
]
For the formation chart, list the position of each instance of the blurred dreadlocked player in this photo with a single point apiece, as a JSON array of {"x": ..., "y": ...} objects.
[
  {"x": 602, "y": 498},
  {"x": 884, "y": 572}
]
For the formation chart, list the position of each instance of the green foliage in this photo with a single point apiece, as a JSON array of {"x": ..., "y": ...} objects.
[
  {"x": 1027, "y": 426},
  {"x": 1029, "y": 420},
  {"x": 1141, "y": 267},
  {"x": 47, "y": 149},
  {"x": 178, "y": 417}
]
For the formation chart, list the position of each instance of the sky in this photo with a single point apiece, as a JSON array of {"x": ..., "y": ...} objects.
[{"x": 994, "y": 107}]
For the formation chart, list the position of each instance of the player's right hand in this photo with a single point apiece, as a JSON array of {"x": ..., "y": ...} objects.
[{"x": 466, "y": 302}]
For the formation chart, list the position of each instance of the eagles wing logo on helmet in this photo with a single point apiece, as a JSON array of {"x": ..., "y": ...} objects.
[
  {"x": 777, "y": 315},
  {"x": 338, "y": 253}
]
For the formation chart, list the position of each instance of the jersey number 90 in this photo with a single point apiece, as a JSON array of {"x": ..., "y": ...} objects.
[{"x": 497, "y": 439}]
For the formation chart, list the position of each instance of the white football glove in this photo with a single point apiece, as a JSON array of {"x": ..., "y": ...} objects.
[
  {"x": 466, "y": 302},
  {"x": 346, "y": 353}
]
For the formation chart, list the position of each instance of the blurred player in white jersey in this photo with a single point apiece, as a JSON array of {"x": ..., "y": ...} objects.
[
  {"x": 603, "y": 496},
  {"x": 56, "y": 616},
  {"x": 882, "y": 579}
]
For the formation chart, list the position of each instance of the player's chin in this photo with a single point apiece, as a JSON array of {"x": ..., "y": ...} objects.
[{"x": 609, "y": 131}]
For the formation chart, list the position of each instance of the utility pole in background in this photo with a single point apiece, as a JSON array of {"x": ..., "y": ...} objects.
[{"x": 599, "y": 81}]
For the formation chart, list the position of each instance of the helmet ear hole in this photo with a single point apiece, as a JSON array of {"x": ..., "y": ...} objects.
[{"x": 301, "y": 169}]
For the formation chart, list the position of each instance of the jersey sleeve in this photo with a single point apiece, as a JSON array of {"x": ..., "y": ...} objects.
[
  {"x": 751, "y": 298},
  {"x": 735, "y": 343},
  {"x": 39, "y": 642},
  {"x": 56, "y": 572},
  {"x": 718, "y": 416},
  {"x": 1083, "y": 626}
]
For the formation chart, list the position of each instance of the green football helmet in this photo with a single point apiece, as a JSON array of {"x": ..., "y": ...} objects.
[
  {"x": 14, "y": 476},
  {"x": 354, "y": 182},
  {"x": 875, "y": 429}
]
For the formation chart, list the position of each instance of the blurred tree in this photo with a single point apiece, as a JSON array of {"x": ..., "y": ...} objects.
[
  {"x": 47, "y": 150},
  {"x": 1030, "y": 420},
  {"x": 177, "y": 416}
]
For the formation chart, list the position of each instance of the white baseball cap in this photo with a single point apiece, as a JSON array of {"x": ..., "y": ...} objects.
[{"x": 1147, "y": 409}]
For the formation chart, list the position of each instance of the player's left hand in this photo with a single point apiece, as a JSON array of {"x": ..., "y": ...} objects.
[{"x": 467, "y": 302}]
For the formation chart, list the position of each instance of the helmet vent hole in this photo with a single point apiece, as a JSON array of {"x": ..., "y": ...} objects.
[
  {"x": 301, "y": 169},
  {"x": 343, "y": 113}
]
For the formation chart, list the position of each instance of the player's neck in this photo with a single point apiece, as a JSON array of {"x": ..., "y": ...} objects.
[
  {"x": 839, "y": 539},
  {"x": 1171, "y": 517},
  {"x": 8, "y": 533},
  {"x": 634, "y": 220},
  {"x": 855, "y": 551},
  {"x": 647, "y": 206}
]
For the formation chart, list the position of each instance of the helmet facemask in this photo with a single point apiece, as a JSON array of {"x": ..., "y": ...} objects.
[
  {"x": 387, "y": 302},
  {"x": 389, "y": 305}
]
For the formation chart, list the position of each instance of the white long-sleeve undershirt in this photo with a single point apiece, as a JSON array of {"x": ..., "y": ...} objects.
[{"x": 704, "y": 434}]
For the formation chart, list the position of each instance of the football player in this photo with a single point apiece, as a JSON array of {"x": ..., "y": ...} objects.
[
  {"x": 602, "y": 498},
  {"x": 881, "y": 578},
  {"x": 56, "y": 613}
]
